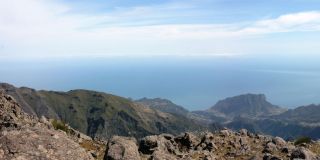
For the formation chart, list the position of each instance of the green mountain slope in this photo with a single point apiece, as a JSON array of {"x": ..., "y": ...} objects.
[{"x": 100, "y": 114}]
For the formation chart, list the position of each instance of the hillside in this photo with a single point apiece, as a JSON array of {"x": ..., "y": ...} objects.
[
  {"x": 163, "y": 105},
  {"x": 305, "y": 115},
  {"x": 99, "y": 114},
  {"x": 26, "y": 137},
  {"x": 256, "y": 114},
  {"x": 247, "y": 105}
]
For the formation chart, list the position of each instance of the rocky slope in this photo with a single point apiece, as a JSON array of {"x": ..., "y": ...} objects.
[
  {"x": 222, "y": 145},
  {"x": 25, "y": 137},
  {"x": 99, "y": 114}
]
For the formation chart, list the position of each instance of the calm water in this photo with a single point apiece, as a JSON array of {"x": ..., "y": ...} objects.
[{"x": 194, "y": 82}]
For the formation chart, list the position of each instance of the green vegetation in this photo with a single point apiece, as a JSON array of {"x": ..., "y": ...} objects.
[
  {"x": 59, "y": 125},
  {"x": 302, "y": 140},
  {"x": 103, "y": 115}
]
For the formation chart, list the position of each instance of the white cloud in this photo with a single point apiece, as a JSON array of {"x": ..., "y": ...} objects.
[
  {"x": 296, "y": 22},
  {"x": 43, "y": 28}
]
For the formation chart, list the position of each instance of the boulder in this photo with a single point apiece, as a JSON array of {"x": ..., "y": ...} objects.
[
  {"x": 269, "y": 147},
  {"x": 187, "y": 141},
  {"x": 160, "y": 155},
  {"x": 29, "y": 143},
  {"x": 302, "y": 153},
  {"x": 225, "y": 132},
  {"x": 278, "y": 141},
  {"x": 148, "y": 144},
  {"x": 243, "y": 132},
  {"x": 122, "y": 148},
  {"x": 270, "y": 157},
  {"x": 207, "y": 142}
]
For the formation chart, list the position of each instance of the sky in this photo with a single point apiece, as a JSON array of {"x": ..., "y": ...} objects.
[
  {"x": 194, "y": 52},
  {"x": 100, "y": 28}
]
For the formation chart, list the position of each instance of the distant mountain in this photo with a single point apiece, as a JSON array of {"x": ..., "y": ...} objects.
[
  {"x": 99, "y": 114},
  {"x": 304, "y": 115},
  {"x": 104, "y": 115},
  {"x": 163, "y": 105},
  {"x": 255, "y": 113},
  {"x": 168, "y": 106},
  {"x": 247, "y": 105},
  {"x": 275, "y": 127}
]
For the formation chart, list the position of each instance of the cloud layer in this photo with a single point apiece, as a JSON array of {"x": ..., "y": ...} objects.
[{"x": 39, "y": 28}]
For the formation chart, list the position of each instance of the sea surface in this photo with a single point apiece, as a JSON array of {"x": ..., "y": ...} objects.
[{"x": 193, "y": 82}]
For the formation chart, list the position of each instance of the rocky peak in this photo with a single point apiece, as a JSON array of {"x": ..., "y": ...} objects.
[
  {"x": 247, "y": 105},
  {"x": 26, "y": 137},
  {"x": 11, "y": 114}
]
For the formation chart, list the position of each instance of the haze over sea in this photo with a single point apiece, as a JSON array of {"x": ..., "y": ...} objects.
[{"x": 196, "y": 82}]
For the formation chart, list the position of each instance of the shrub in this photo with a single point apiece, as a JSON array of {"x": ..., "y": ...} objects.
[
  {"x": 59, "y": 125},
  {"x": 301, "y": 140}
]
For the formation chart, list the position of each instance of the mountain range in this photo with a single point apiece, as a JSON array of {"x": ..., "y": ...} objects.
[
  {"x": 253, "y": 112},
  {"x": 102, "y": 115},
  {"x": 99, "y": 114},
  {"x": 27, "y": 137}
]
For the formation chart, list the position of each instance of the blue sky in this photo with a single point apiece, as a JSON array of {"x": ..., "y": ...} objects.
[
  {"x": 193, "y": 52},
  {"x": 70, "y": 28}
]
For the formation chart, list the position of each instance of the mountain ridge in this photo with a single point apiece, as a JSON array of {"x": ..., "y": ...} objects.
[
  {"x": 163, "y": 105},
  {"x": 99, "y": 114}
]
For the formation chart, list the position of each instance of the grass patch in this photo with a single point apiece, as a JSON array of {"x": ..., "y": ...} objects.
[
  {"x": 59, "y": 125},
  {"x": 302, "y": 140}
]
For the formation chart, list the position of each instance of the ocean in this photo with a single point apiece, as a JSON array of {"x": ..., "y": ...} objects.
[{"x": 193, "y": 82}]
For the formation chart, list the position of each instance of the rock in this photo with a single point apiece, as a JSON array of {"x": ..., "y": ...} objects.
[
  {"x": 187, "y": 141},
  {"x": 148, "y": 144},
  {"x": 37, "y": 143},
  {"x": 269, "y": 147},
  {"x": 270, "y": 157},
  {"x": 243, "y": 141},
  {"x": 27, "y": 137},
  {"x": 159, "y": 155},
  {"x": 121, "y": 148},
  {"x": 278, "y": 141},
  {"x": 255, "y": 158},
  {"x": 302, "y": 153},
  {"x": 225, "y": 132},
  {"x": 243, "y": 132},
  {"x": 164, "y": 143}
]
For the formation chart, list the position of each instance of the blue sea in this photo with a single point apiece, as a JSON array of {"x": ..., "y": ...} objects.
[{"x": 193, "y": 82}]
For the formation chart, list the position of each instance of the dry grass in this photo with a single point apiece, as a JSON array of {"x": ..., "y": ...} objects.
[
  {"x": 93, "y": 146},
  {"x": 315, "y": 148}
]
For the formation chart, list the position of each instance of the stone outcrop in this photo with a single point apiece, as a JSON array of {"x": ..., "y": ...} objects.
[
  {"x": 25, "y": 137},
  {"x": 120, "y": 148},
  {"x": 222, "y": 145}
]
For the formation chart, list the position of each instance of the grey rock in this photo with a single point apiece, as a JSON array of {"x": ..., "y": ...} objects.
[
  {"x": 302, "y": 153},
  {"x": 243, "y": 132},
  {"x": 122, "y": 148},
  {"x": 279, "y": 141}
]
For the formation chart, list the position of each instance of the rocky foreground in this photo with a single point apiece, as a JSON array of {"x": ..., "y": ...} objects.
[
  {"x": 225, "y": 144},
  {"x": 25, "y": 137}
]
